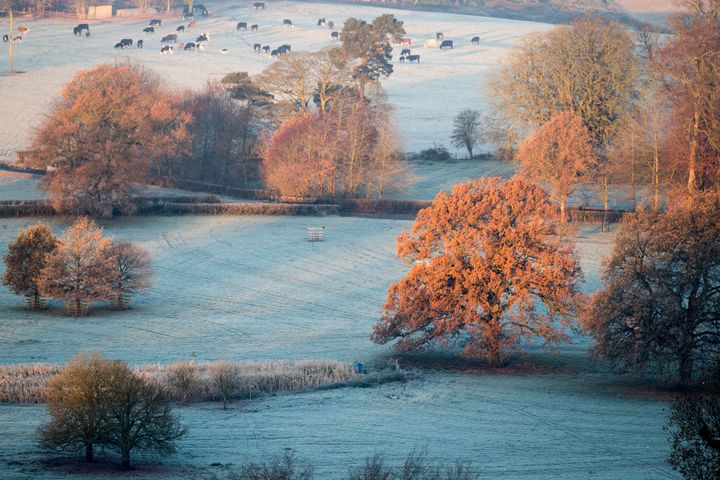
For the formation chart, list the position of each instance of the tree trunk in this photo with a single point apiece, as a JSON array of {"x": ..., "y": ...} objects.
[
  {"x": 89, "y": 452},
  {"x": 692, "y": 160},
  {"x": 225, "y": 403},
  {"x": 125, "y": 463},
  {"x": 11, "y": 41},
  {"x": 563, "y": 203},
  {"x": 606, "y": 203}
]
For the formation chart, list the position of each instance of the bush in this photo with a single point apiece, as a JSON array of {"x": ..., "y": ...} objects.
[
  {"x": 278, "y": 469},
  {"x": 437, "y": 153}
]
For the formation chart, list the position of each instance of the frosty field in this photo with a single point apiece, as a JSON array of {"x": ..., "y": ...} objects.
[
  {"x": 426, "y": 95},
  {"x": 253, "y": 288}
]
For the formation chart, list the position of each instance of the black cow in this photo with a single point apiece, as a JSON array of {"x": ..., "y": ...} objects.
[
  {"x": 79, "y": 29},
  {"x": 166, "y": 50},
  {"x": 241, "y": 26},
  {"x": 118, "y": 45},
  {"x": 275, "y": 53},
  {"x": 202, "y": 38},
  {"x": 140, "y": 43},
  {"x": 190, "y": 46},
  {"x": 439, "y": 36},
  {"x": 149, "y": 30},
  {"x": 402, "y": 58},
  {"x": 259, "y": 5},
  {"x": 180, "y": 28},
  {"x": 254, "y": 28},
  {"x": 126, "y": 42},
  {"x": 6, "y": 38},
  {"x": 155, "y": 22},
  {"x": 475, "y": 41},
  {"x": 405, "y": 51},
  {"x": 169, "y": 38},
  {"x": 413, "y": 58},
  {"x": 321, "y": 22},
  {"x": 446, "y": 44},
  {"x": 288, "y": 22},
  {"x": 257, "y": 47},
  {"x": 285, "y": 48},
  {"x": 266, "y": 48},
  {"x": 334, "y": 35}
]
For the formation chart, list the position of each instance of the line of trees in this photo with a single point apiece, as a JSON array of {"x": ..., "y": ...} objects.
[{"x": 80, "y": 267}]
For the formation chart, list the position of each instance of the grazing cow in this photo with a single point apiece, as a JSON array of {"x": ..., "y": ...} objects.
[
  {"x": 430, "y": 43},
  {"x": 287, "y": 22},
  {"x": 126, "y": 42},
  {"x": 224, "y": 51},
  {"x": 190, "y": 46},
  {"x": 118, "y": 45},
  {"x": 140, "y": 43},
  {"x": 83, "y": 26},
  {"x": 321, "y": 22},
  {"x": 259, "y": 5},
  {"x": 257, "y": 47},
  {"x": 475, "y": 41},
  {"x": 446, "y": 44},
  {"x": 266, "y": 48},
  {"x": 413, "y": 58},
  {"x": 402, "y": 58},
  {"x": 204, "y": 38},
  {"x": 241, "y": 26},
  {"x": 155, "y": 22},
  {"x": 439, "y": 36},
  {"x": 180, "y": 28},
  {"x": 254, "y": 28},
  {"x": 285, "y": 48},
  {"x": 275, "y": 53},
  {"x": 335, "y": 35},
  {"x": 22, "y": 30},
  {"x": 6, "y": 38},
  {"x": 406, "y": 41},
  {"x": 405, "y": 51},
  {"x": 166, "y": 50},
  {"x": 149, "y": 30}
]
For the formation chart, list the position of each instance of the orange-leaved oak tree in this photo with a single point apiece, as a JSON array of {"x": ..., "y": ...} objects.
[
  {"x": 485, "y": 273},
  {"x": 558, "y": 153}
]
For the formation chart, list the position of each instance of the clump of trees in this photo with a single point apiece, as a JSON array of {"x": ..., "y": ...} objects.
[
  {"x": 100, "y": 403},
  {"x": 110, "y": 125},
  {"x": 482, "y": 261},
  {"x": 659, "y": 307},
  {"x": 350, "y": 151},
  {"x": 81, "y": 267}
]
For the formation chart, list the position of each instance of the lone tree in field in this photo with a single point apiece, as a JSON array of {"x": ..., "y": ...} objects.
[
  {"x": 558, "y": 153},
  {"x": 94, "y": 402},
  {"x": 694, "y": 424},
  {"x": 79, "y": 269},
  {"x": 226, "y": 378},
  {"x": 25, "y": 260},
  {"x": 483, "y": 260},
  {"x": 660, "y": 307},
  {"x": 466, "y": 130},
  {"x": 371, "y": 44},
  {"x": 109, "y": 126},
  {"x": 131, "y": 271},
  {"x": 78, "y": 403}
]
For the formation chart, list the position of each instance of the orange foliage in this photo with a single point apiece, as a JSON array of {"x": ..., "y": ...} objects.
[
  {"x": 107, "y": 128},
  {"x": 483, "y": 260},
  {"x": 559, "y": 152}
]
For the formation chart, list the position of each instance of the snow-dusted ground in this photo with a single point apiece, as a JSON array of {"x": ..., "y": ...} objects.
[
  {"x": 426, "y": 95},
  {"x": 253, "y": 288}
]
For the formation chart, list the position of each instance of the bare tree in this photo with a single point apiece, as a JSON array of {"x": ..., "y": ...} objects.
[
  {"x": 466, "y": 130},
  {"x": 131, "y": 271},
  {"x": 226, "y": 378},
  {"x": 183, "y": 377}
]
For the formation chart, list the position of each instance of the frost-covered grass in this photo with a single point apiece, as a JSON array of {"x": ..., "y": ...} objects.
[
  {"x": 426, "y": 95},
  {"x": 27, "y": 383}
]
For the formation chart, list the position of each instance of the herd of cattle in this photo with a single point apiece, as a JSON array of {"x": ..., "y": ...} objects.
[{"x": 203, "y": 39}]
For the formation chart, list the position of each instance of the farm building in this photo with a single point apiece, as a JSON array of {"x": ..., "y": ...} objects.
[{"x": 96, "y": 12}]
